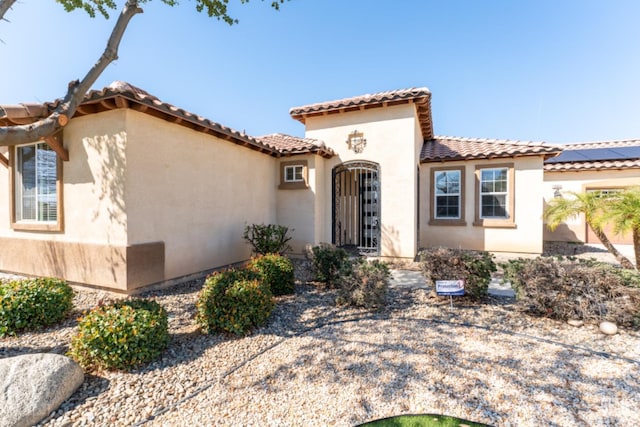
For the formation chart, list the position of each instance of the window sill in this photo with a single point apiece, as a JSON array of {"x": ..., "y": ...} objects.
[
  {"x": 293, "y": 186},
  {"x": 34, "y": 226},
  {"x": 448, "y": 222},
  {"x": 495, "y": 223}
]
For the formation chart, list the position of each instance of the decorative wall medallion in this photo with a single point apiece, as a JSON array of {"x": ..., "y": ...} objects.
[{"x": 356, "y": 141}]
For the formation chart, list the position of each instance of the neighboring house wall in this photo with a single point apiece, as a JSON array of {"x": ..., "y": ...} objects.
[
  {"x": 575, "y": 229},
  {"x": 523, "y": 234},
  {"x": 195, "y": 193},
  {"x": 391, "y": 142}
]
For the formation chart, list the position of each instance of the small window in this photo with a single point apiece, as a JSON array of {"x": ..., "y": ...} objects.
[
  {"x": 447, "y": 194},
  {"x": 294, "y": 173},
  {"x": 36, "y": 186},
  {"x": 493, "y": 193}
]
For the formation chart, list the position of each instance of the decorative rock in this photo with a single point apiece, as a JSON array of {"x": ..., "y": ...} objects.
[
  {"x": 608, "y": 328},
  {"x": 575, "y": 322},
  {"x": 34, "y": 385}
]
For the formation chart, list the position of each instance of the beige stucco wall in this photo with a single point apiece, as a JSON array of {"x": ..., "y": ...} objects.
[
  {"x": 297, "y": 208},
  {"x": 392, "y": 142},
  {"x": 144, "y": 201},
  {"x": 92, "y": 246},
  {"x": 574, "y": 229},
  {"x": 194, "y": 192},
  {"x": 526, "y": 237}
]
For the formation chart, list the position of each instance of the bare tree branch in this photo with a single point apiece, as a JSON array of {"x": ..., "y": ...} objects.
[
  {"x": 12, "y": 135},
  {"x": 5, "y": 5}
]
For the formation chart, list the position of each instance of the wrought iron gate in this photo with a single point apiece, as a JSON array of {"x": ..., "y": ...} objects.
[{"x": 356, "y": 207}]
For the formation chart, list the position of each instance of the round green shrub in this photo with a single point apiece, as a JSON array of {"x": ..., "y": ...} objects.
[
  {"x": 121, "y": 335},
  {"x": 33, "y": 303},
  {"x": 276, "y": 271},
  {"x": 233, "y": 301}
]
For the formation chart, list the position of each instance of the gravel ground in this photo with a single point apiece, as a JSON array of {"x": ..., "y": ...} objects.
[{"x": 315, "y": 364}]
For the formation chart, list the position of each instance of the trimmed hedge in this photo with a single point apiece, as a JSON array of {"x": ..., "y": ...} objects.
[
  {"x": 121, "y": 335},
  {"x": 568, "y": 289},
  {"x": 276, "y": 271},
  {"x": 474, "y": 267},
  {"x": 364, "y": 284},
  {"x": 33, "y": 303},
  {"x": 233, "y": 301}
]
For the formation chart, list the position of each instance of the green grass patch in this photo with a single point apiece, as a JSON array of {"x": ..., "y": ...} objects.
[{"x": 426, "y": 420}]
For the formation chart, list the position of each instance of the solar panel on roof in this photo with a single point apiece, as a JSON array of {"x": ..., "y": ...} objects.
[{"x": 597, "y": 154}]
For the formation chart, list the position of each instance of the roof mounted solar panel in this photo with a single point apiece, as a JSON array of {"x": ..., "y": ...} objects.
[{"x": 596, "y": 154}]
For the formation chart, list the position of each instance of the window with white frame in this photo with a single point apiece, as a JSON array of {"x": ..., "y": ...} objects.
[
  {"x": 447, "y": 194},
  {"x": 294, "y": 173},
  {"x": 494, "y": 193},
  {"x": 36, "y": 186}
]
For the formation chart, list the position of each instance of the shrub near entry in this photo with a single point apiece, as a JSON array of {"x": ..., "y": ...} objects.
[
  {"x": 327, "y": 262},
  {"x": 121, "y": 335},
  {"x": 364, "y": 284},
  {"x": 233, "y": 301},
  {"x": 33, "y": 303},
  {"x": 267, "y": 239},
  {"x": 474, "y": 267},
  {"x": 276, "y": 271}
]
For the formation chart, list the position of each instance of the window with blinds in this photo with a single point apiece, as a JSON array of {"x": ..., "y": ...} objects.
[{"x": 36, "y": 184}]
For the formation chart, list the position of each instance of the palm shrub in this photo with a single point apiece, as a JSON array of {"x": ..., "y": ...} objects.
[
  {"x": 364, "y": 284},
  {"x": 121, "y": 335},
  {"x": 33, "y": 303},
  {"x": 276, "y": 271},
  {"x": 267, "y": 239},
  {"x": 233, "y": 301},
  {"x": 474, "y": 267},
  {"x": 623, "y": 210},
  {"x": 593, "y": 206},
  {"x": 327, "y": 262}
]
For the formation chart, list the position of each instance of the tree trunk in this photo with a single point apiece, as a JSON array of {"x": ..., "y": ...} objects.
[
  {"x": 624, "y": 261},
  {"x": 12, "y": 135},
  {"x": 636, "y": 246}
]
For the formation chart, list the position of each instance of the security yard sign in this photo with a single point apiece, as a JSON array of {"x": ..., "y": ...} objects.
[{"x": 450, "y": 287}]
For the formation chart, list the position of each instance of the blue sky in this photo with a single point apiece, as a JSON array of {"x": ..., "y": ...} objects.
[{"x": 543, "y": 70}]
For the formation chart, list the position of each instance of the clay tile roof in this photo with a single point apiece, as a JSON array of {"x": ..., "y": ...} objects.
[
  {"x": 598, "y": 155},
  {"x": 125, "y": 95},
  {"x": 421, "y": 96},
  {"x": 287, "y": 144},
  {"x": 20, "y": 114},
  {"x": 446, "y": 148}
]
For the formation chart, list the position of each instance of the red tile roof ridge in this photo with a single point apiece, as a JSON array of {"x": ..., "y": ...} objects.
[{"x": 369, "y": 98}]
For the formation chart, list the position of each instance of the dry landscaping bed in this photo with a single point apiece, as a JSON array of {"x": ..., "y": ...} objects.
[{"x": 315, "y": 364}]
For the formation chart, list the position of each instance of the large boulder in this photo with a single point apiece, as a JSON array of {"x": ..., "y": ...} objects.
[{"x": 34, "y": 385}]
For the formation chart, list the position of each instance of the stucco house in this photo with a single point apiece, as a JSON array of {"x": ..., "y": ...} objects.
[{"x": 135, "y": 191}]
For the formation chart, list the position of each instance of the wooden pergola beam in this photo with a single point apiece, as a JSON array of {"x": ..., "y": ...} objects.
[{"x": 56, "y": 146}]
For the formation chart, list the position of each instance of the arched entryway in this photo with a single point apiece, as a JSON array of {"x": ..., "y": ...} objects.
[{"x": 356, "y": 207}]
